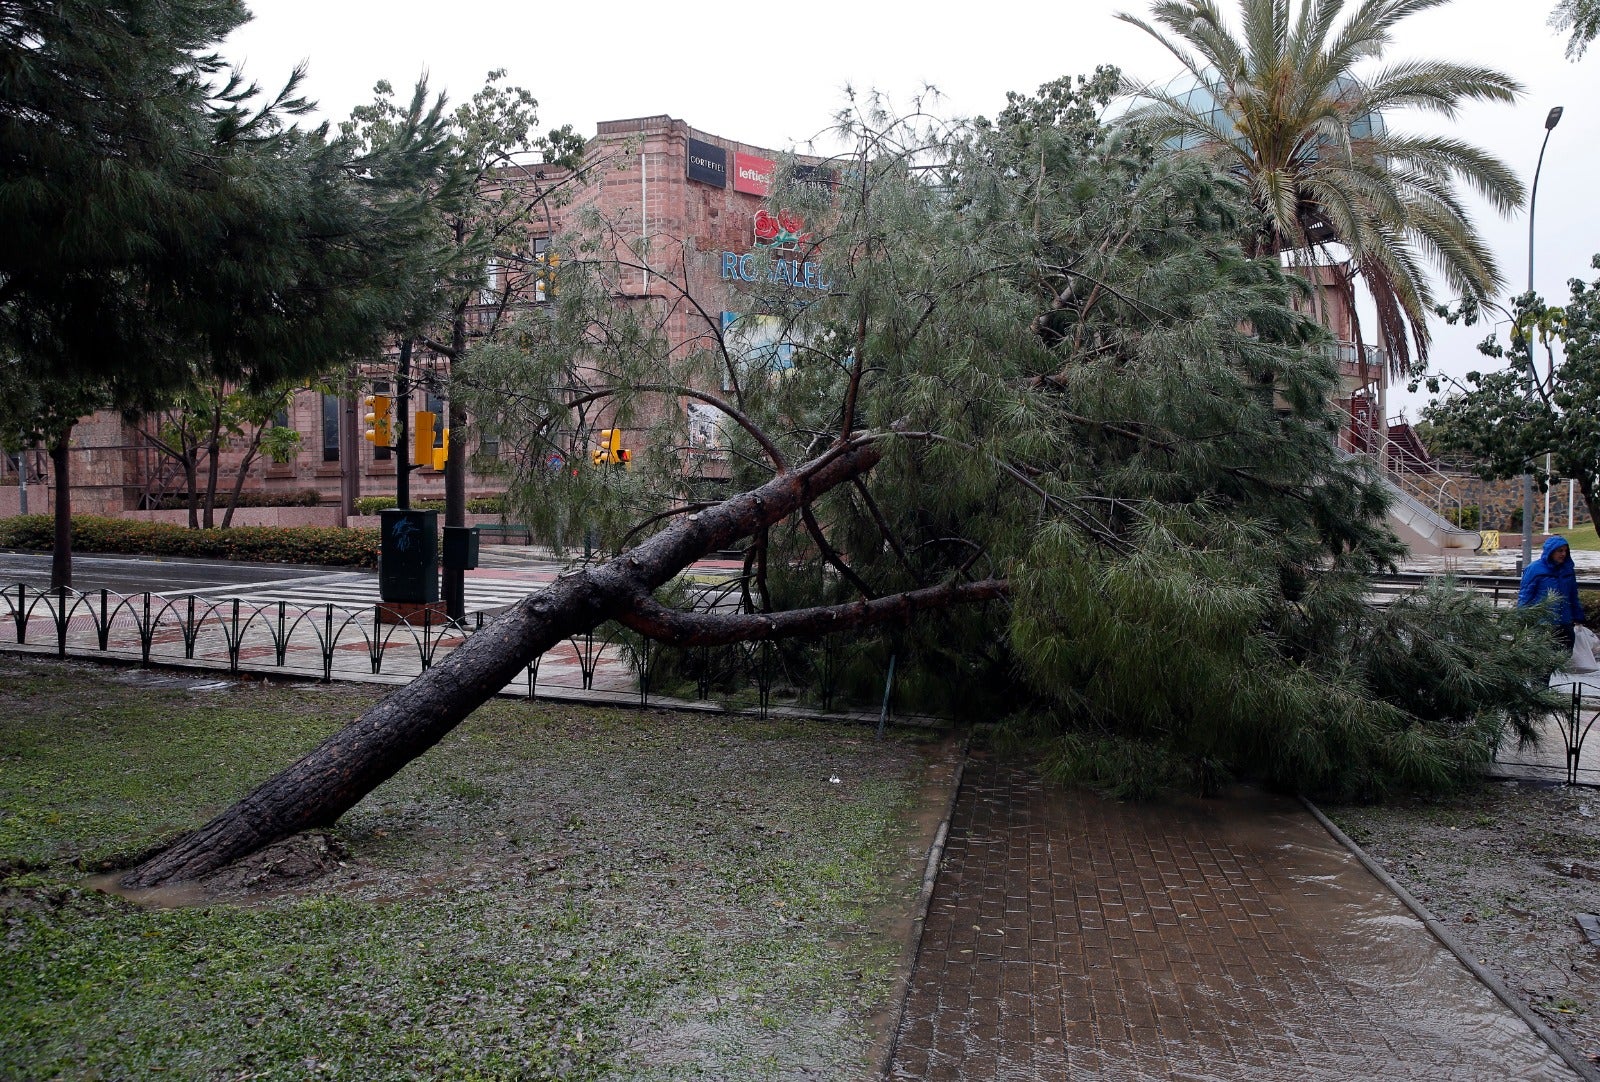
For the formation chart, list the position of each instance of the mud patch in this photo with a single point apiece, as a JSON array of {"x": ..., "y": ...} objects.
[{"x": 295, "y": 862}]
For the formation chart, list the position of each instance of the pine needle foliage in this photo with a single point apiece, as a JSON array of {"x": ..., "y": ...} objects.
[
  {"x": 1084, "y": 390},
  {"x": 160, "y": 211}
]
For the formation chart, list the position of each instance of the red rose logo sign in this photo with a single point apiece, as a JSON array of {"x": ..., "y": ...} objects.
[{"x": 784, "y": 230}]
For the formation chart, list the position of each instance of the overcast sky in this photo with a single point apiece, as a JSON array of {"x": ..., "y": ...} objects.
[{"x": 772, "y": 75}]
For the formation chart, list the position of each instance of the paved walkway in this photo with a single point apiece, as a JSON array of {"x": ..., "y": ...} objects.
[{"x": 1075, "y": 937}]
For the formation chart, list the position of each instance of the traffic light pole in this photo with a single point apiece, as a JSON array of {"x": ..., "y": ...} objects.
[
  {"x": 455, "y": 470},
  {"x": 402, "y": 445}
]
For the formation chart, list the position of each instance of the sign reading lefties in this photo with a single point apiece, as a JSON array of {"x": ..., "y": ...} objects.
[{"x": 752, "y": 174}]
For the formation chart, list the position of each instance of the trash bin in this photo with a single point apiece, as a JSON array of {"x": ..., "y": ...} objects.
[
  {"x": 408, "y": 556},
  {"x": 460, "y": 548}
]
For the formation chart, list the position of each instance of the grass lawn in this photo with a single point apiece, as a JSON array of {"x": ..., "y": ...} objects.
[
  {"x": 552, "y": 892},
  {"x": 1581, "y": 537}
]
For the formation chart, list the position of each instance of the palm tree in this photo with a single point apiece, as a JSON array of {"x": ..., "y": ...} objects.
[{"x": 1280, "y": 105}]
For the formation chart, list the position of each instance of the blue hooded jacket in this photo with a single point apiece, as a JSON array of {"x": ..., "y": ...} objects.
[{"x": 1542, "y": 579}]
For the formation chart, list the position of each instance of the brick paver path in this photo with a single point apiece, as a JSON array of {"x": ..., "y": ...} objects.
[{"x": 1076, "y": 937}]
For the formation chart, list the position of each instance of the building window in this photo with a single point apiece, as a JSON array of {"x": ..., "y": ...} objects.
[
  {"x": 489, "y": 446},
  {"x": 330, "y": 428}
]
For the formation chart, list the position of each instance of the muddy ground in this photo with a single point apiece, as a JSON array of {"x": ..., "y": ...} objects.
[
  {"x": 1508, "y": 867},
  {"x": 552, "y": 892}
]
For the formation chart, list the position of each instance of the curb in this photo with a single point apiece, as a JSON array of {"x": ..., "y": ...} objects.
[
  {"x": 913, "y": 950},
  {"x": 1558, "y": 1044}
]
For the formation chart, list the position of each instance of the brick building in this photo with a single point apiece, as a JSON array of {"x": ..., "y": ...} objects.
[{"x": 692, "y": 199}]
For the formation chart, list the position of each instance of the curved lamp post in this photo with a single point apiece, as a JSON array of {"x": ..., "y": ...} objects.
[{"x": 1550, "y": 121}]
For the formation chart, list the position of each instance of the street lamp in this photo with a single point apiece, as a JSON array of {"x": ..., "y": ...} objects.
[{"x": 1550, "y": 121}]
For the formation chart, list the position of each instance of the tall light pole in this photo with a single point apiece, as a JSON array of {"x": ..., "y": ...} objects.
[{"x": 1550, "y": 122}]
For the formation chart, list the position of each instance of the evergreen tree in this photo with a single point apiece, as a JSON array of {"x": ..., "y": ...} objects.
[{"x": 162, "y": 218}]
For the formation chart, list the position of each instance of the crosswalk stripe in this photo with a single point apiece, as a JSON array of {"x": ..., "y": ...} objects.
[{"x": 355, "y": 590}]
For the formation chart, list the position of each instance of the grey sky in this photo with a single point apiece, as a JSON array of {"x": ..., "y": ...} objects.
[{"x": 773, "y": 74}]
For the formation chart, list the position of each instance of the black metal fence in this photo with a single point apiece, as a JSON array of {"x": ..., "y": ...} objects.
[{"x": 331, "y": 641}]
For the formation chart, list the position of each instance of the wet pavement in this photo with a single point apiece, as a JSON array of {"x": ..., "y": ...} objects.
[{"x": 1075, "y": 937}]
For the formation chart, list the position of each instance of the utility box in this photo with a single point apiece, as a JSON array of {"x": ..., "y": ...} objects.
[
  {"x": 460, "y": 548},
  {"x": 408, "y": 556}
]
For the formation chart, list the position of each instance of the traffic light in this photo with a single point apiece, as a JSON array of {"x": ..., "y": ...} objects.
[
  {"x": 546, "y": 264},
  {"x": 441, "y": 454},
  {"x": 378, "y": 432},
  {"x": 611, "y": 450},
  {"x": 422, "y": 437}
]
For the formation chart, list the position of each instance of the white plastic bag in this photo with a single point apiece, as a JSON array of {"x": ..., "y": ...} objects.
[{"x": 1584, "y": 643}]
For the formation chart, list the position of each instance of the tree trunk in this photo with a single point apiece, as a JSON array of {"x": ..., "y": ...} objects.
[
  {"x": 238, "y": 479},
  {"x": 61, "y": 554},
  {"x": 333, "y": 777},
  {"x": 191, "y": 477},
  {"x": 213, "y": 453},
  {"x": 1586, "y": 489}
]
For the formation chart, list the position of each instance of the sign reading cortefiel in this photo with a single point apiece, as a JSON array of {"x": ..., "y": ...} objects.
[{"x": 708, "y": 163}]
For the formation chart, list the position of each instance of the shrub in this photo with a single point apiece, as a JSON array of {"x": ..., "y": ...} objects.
[
  {"x": 304, "y": 497},
  {"x": 255, "y": 544},
  {"x": 477, "y": 505},
  {"x": 1465, "y": 516}
]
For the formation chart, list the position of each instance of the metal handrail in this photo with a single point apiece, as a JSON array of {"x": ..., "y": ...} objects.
[{"x": 1423, "y": 481}]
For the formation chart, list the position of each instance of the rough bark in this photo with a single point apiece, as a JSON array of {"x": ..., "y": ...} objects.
[
  {"x": 333, "y": 777},
  {"x": 61, "y": 553}
]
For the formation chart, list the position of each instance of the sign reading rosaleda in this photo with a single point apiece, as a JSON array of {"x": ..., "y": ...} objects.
[{"x": 789, "y": 272}]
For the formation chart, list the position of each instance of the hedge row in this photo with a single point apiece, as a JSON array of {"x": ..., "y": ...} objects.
[
  {"x": 303, "y": 497},
  {"x": 478, "y": 505},
  {"x": 252, "y": 544}
]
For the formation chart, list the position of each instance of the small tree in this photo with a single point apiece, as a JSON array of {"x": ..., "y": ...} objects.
[
  {"x": 1546, "y": 401},
  {"x": 38, "y": 407},
  {"x": 208, "y": 419},
  {"x": 486, "y": 196}
]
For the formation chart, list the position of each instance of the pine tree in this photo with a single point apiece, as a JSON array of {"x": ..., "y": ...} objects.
[
  {"x": 162, "y": 217},
  {"x": 1048, "y": 408}
]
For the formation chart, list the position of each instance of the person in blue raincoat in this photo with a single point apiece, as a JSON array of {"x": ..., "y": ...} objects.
[{"x": 1553, "y": 576}]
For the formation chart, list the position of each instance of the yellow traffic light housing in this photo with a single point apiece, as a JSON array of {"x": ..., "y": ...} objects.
[
  {"x": 546, "y": 264},
  {"x": 611, "y": 452},
  {"x": 422, "y": 437},
  {"x": 441, "y": 455},
  {"x": 378, "y": 433}
]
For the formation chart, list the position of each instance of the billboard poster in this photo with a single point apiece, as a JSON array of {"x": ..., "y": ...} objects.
[
  {"x": 758, "y": 343},
  {"x": 708, "y": 163},
  {"x": 705, "y": 427}
]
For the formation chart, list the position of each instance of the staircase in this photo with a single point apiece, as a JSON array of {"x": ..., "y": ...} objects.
[{"x": 1421, "y": 492}]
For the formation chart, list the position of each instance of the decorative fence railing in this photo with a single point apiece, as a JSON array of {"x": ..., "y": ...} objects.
[{"x": 331, "y": 641}]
